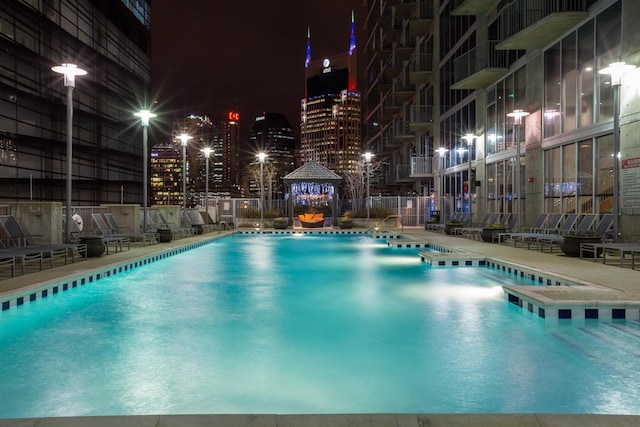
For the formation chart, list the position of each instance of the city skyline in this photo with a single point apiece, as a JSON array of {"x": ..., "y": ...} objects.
[{"x": 250, "y": 62}]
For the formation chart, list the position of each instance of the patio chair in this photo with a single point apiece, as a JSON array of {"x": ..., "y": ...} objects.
[
  {"x": 550, "y": 240},
  {"x": 621, "y": 250},
  {"x": 8, "y": 261},
  {"x": 513, "y": 236},
  {"x": 178, "y": 232},
  {"x": 145, "y": 238},
  {"x": 474, "y": 232},
  {"x": 18, "y": 238},
  {"x": 110, "y": 240}
]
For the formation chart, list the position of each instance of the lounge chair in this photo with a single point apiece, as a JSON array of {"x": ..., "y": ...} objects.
[
  {"x": 18, "y": 239},
  {"x": 178, "y": 232},
  {"x": 8, "y": 261},
  {"x": 110, "y": 240},
  {"x": 621, "y": 250},
  {"x": 116, "y": 230},
  {"x": 474, "y": 232},
  {"x": 550, "y": 240}
]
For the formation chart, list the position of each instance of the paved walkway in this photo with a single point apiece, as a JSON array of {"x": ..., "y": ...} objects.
[{"x": 605, "y": 282}]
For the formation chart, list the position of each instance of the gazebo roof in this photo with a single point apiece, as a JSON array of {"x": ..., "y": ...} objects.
[{"x": 312, "y": 172}]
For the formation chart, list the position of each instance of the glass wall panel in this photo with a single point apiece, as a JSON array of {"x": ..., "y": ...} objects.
[
  {"x": 608, "y": 28},
  {"x": 492, "y": 187},
  {"x": 552, "y": 86},
  {"x": 569, "y": 178},
  {"x": 552, "y": 180},
  {"x": 586, "y": 67},
  {"x": 585, "y": 176},
  {"x": 569, "y": 83}
]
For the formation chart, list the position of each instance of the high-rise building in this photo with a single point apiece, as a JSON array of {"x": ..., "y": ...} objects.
[
  {"x": 495, "y": 106},
  {"x": 110, "y": 39},
  {"x": 272, "y": 134},
  {"x": 331, "y": 110},
  {"x": 166, "y": 174}
]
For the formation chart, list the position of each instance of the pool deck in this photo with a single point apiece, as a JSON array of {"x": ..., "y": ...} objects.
[{"x": 595, "y": 284}]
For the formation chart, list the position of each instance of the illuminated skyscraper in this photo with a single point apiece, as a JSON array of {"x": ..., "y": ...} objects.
[{"x": 330, "y": 111}]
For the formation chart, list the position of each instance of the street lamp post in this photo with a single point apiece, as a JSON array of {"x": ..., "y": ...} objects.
[
  {"x": 261, "y": 157},
  {"x": 367, "y": 157},
  {"x": 207, "y": 153},
  {"x": 184, "y": 138},
  {"x": 616, "y": 70},
  {"x": 441, "y": 151},
  {"x": 70, "y": 71},
  {"x": 469, "y": 137},
  {"x": 144, "y": 115},
  {"x": 517, "y": 123}
]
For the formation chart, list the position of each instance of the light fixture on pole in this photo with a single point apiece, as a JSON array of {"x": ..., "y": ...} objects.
[
  {"x": 70, "y": 71},
  {"x": 207, "y": 153},
  {"x": 261, "y": 157},
  {"x": 184, "y": 138},
  {"x": 441, "y": 152},
  {"x": 144, "y": 115},
  {"x": 367, "y": 157},
  {"x": 517, "y": 123},
  {"x": 616, "y": 70},
  {"x": 469, "y": 138}
]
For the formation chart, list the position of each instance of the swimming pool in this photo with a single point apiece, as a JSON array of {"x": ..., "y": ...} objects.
[{"x": 306, "y": 324}]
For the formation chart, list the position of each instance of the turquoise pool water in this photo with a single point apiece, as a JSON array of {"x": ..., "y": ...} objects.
[{"x": 310, "y": 324}]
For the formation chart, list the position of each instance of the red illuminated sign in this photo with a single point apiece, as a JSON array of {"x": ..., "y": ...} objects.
[{"x": 233, "y": 116}]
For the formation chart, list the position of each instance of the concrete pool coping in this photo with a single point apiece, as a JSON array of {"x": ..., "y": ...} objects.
[
  {"x": 616, "y": 283},
  {"x": 334, "y": 420}
]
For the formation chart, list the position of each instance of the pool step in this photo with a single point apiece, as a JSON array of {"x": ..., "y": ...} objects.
[{"x": 406, "y": 243}]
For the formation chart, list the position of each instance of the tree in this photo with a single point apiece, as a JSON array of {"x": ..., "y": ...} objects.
[{"x": 355, "y": 183}]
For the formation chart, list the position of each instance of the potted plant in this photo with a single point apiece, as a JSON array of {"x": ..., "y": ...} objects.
[
  {"x": 570, "y": 244},
  {"x": 345, "y": 222},
  {"x": 280, "y": 223},
  {"x": 450, "y": 226},
  {"x": 490, "y": 232}
]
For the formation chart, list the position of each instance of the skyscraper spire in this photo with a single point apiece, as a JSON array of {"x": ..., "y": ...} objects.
[
  {"x": 308, "y": 59},
  {"x": 352, "y": 44}
]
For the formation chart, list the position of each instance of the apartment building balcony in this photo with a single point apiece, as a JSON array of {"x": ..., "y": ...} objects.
[
  {"x": 403, "y": 173},
  {"x": 384, "y": 20},
  {"x": 420, "y": 118},
  {"x": 392, "y": 34},
  {"x": 474, "y": 7},
  {"x": 384, "y": 51},
  {"x": 422, "y": 167},
  {"x": 404, "y": 9},
  {"x": 404, "y": 93},
  {"x": 402, "y": 134},
  {"x": 481, "y": 66},
  {"x": 390, "y": 107},
  {"x": 384, "y": 85},
  {"x": 404, "y": 53},
  {"x": 421, "y": 70},
  {"x": 422, "y": 19},
  {"x": 533, "y": 24},
  {"x": 392, "y": 70}
]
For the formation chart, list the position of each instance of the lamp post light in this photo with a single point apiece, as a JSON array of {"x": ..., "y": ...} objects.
[
  {"x": 469, "y": 138},
  {"x": 367, "y": 157},
  {"x": 441, "y": 152},
  {"x": 517, "y": 123},
  {"x": 144, "y": 115},
  {"x": 207, "y": 153},
  {"x": 616, "y": 70},
  {"x": 70, "y": 71},
  {"x": 261, "y": 157},
  {"x": 184, "y": 138}
]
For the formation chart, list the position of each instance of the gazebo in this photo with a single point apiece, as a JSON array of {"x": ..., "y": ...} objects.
[{"x": 309, "y": 183}]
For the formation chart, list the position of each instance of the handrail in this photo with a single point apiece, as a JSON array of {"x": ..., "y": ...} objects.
[{"x": 388, "y": 217}]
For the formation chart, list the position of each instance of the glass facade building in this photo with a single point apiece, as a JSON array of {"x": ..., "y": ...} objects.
[
  {"x": 110, "y": 39},
  {"x": 439, "y": 71}
]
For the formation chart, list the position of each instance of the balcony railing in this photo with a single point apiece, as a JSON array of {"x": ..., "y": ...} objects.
[
  {"x": 545, "y": 19},
  {"x": 482, "y": 65},
  {"x": 422, "y": 166}
]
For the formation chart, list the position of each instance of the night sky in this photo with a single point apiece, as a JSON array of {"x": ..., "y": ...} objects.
[{"x": 212, "y": 56}]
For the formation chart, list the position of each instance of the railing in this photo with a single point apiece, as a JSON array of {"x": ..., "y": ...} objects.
[
  {"x": 423, "y": 62},
  {"x": 481, "y": 57},
  {"x": 422, "y": 165},
  {"x": 421, "y": 114},
  {"x": 521, "y": 14}
]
